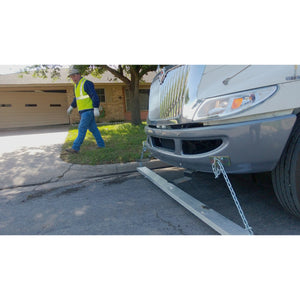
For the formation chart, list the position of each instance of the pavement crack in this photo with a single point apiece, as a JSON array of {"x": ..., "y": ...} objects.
[
  {"x": 116, "y": 180},
  {"x": 58, "y": 178},
  {"x": 24, "y": 185},
  {"x": 34, "y": 194},
  {"x": 176, "y": 228},
  {"x": 60, "y": 191}
]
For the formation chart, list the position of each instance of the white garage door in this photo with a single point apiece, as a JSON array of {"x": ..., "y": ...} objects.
[{"x": 24, "y": 109}]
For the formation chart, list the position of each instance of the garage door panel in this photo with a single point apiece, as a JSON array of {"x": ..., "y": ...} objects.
[{"x": 23, "y": 109}]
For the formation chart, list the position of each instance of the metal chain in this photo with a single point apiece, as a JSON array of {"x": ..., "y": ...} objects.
[
  {"x": 218, "y": 168},
  {"x": 142, "y": 154}
]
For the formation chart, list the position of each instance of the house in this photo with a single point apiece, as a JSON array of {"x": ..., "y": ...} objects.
[{"x": 27, "y": 101}]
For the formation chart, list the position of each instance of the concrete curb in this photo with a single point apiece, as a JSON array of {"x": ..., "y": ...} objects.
[
  {"x": 85, "y": 171},
  {"x": 76, "y": 174}
]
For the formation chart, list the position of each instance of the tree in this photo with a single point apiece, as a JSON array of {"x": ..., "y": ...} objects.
[{"x": 131, "y": 75}]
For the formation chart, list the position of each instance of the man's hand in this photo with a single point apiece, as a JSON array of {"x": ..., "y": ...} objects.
[
  {"x": 96, "y": 112},
  {"x": 69, "y": 110}
]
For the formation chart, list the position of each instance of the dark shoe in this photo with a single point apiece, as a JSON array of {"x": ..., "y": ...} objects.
[{"x": 71, "y": 150}]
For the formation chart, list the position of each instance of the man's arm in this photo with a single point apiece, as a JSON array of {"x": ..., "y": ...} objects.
[
  {"x": 72, "y": 106},
  {"x": 90, "y": 89},
  {"x": 74, "y": 103}
]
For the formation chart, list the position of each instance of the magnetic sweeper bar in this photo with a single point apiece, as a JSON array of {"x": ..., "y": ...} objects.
[{"x": 212, "y": 218}]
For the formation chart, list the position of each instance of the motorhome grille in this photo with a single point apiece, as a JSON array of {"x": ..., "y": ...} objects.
[{"x": 171, "y": 93}]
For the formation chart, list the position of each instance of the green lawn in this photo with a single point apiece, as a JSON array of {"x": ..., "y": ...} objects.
[{"x": 123, "y": 144}]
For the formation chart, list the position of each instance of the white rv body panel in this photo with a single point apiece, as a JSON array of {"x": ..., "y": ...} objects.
[{"x": 284, "y": 101}]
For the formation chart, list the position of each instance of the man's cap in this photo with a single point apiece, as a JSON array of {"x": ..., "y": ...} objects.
[{"x": 73, "y": 71}]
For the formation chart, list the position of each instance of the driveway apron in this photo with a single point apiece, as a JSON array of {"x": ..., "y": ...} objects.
[{"x": 31, "y": 156}]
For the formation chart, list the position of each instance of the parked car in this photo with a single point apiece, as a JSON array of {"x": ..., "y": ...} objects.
[{"x": 247, "y": 116}]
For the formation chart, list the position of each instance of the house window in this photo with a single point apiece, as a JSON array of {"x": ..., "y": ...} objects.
[
  {"x": 5, "y": 105},
  {"x": 143, "y": 98},
  {"x": 101, "y": 94},
  {"x": 56, "y": 91},
  {"x": 30, "y": 105}
]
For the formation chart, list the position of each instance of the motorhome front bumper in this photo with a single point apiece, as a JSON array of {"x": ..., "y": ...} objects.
[{"x": 247, "y": 147}]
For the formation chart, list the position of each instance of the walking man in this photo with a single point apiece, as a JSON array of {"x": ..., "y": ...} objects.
[{"x": 87, "y": 102}]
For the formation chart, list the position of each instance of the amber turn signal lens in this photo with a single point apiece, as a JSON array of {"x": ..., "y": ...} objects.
[{"x": 236, "y": 103}]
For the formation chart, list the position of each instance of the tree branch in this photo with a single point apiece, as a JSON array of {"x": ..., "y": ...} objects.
[
  {"x": 146, "y": 69},
  {"x": 118, "y": 74}
]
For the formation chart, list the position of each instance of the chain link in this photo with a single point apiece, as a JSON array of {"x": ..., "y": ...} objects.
[
  {"x": 218, "y": 168},
  {"x": 142, "y": 154}
]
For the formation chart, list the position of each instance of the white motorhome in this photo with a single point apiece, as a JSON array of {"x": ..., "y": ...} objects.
[{"x": 248, "y": 116}]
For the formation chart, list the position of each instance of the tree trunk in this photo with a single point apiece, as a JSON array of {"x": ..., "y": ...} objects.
[{"x": 134, "y": 99}]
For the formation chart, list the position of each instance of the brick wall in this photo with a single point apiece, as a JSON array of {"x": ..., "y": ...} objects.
[{"x": 114, "y": 105}]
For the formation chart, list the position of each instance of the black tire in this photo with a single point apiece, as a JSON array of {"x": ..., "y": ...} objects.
[{"x": 286, "y": 175}]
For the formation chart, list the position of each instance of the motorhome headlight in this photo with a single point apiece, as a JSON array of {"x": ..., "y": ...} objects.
[{"x": 223, "y": 106}]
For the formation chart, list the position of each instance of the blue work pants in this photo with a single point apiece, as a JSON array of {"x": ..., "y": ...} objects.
[{"x": 87, "y": 122}]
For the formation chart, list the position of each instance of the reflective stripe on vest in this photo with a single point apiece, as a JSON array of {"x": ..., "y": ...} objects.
[{"x": 83, "y": 100}]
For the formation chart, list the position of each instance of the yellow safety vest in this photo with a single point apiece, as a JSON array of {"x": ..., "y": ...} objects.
[{"x": 83, "y": 100}]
